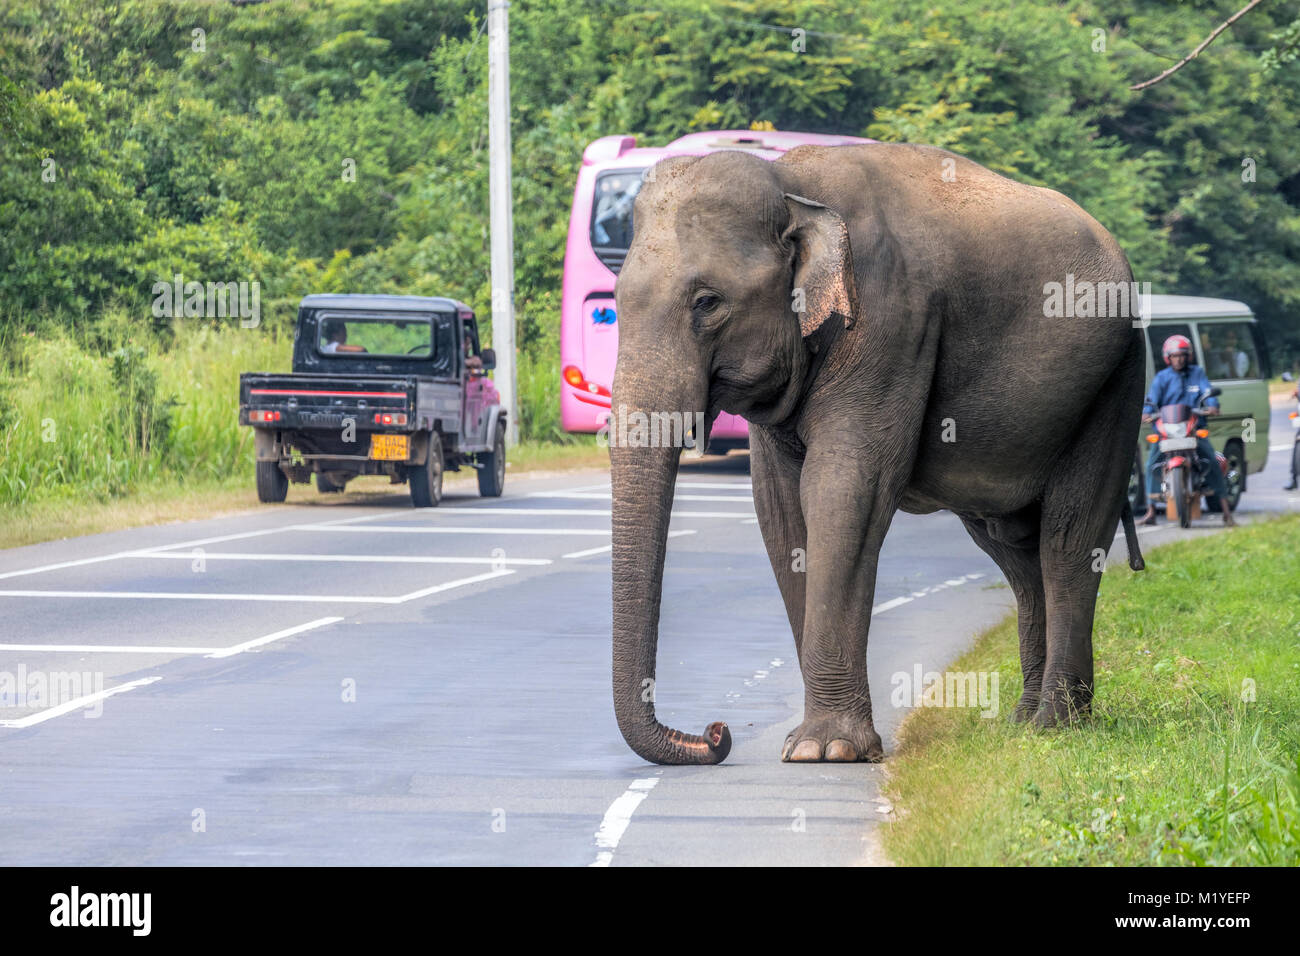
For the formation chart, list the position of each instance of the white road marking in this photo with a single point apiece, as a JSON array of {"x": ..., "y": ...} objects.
[
  {"x": 287, "y": 632},
  {"x": 286, "y": 598},
  {"x": 426, "y": 529},
  {"x": 617, "y": 818},
  {"x": 609, "y": 547},
  {"x": 594, "y": 512},
  {"x": 76, "y": 704},
  {"x": 199, "y": 596},
  {"x": 168, "y": 547},
  {"x": 345, "y": 558},
  {"x": 605, "y": 496},
  {"x": 107, "y": 649},
  {"x": 950, "y": 583}
]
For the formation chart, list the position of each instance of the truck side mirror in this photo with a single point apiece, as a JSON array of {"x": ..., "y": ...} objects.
[{"x": 489, "y": 357}]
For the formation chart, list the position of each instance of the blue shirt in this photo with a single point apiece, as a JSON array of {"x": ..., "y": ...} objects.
[{"x": 1178, "y": 388}]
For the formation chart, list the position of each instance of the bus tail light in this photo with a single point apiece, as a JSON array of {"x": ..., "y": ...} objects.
[{"x": 573, "y": 375}]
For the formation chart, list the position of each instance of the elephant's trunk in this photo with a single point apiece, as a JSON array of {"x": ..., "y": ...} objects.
[{"x": 643, "y": 480}]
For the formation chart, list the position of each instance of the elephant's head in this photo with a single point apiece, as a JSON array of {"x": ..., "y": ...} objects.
[{"x": 729, "y": 286}]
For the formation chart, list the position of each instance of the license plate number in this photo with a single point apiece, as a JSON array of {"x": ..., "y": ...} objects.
[
  {"x": 1177, "y": 444},
  {"x": 390, "y": 447}
]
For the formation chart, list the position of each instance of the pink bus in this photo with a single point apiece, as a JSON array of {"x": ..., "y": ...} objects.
[{"x": 600, "y": 230}]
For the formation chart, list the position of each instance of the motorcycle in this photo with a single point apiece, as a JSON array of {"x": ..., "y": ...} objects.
[{"x": 1184, "y": 473}]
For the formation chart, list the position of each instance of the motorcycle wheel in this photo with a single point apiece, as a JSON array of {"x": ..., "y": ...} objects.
[{"x": 1178, "y": 488}]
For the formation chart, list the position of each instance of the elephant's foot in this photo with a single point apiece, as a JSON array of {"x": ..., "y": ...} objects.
[
  {"x": 1068, "y": 703},
  {"x": 1025, "y": 708},
  {"x": 834, "y": 738}
]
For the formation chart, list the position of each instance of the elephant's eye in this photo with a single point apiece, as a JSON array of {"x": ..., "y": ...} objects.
[{"x": 705, "y": 304}]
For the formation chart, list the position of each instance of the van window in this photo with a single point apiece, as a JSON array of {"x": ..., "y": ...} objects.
[
  {"x": 1229, "y": 350},
  {"x": 1158, "y": 333}
]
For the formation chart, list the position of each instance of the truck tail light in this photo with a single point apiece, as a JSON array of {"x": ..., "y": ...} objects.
[
  {"x": 263, "y": 416},
  {"x": 390, "y": 418}
]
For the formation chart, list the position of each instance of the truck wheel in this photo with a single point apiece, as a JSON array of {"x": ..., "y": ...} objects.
[
  {"x": 492, "y": 467},
  {"x": 426, "y": 479},
  {"x": 272, "y": 483},
  {"x": 325, "y": 486}
]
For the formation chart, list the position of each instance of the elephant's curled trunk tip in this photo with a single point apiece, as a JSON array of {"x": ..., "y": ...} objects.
[{"x": 716, "y": 743}]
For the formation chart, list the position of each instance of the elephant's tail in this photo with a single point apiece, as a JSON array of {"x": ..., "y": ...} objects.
[{"x": 1131, "y": 537}]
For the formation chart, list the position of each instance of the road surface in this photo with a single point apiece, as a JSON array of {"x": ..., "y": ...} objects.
[{"x": 327, "y": 682}]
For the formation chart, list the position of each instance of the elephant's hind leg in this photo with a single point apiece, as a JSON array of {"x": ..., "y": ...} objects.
[
  {"x": 1013, "y": 544},
  {"x": 1082, "y": 500}
]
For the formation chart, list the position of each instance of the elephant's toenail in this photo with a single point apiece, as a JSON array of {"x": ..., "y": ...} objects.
[
  {"x": 807, "y": 750},
  {"x": 841, "y": 751}
]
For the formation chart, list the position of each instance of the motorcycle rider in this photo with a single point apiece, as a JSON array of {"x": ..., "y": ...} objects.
[{"x": 1181, "y": 382}]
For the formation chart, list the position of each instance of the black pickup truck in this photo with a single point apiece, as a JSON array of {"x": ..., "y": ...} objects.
[{"x": 390, "y": 385}]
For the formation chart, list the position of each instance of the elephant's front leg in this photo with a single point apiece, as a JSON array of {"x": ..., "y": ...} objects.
[{"x": 847, "y": 511}]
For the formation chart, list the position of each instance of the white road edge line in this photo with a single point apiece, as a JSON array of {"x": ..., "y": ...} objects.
[
  {"x": 609, "y": 547},
  {"x": 76, "y": 704},
  {"x": 617, "y": 818},
  {"x": 259, "y": 641}
]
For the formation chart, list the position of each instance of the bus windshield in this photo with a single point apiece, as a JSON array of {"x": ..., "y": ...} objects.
[{"x": 611, "y": 215}]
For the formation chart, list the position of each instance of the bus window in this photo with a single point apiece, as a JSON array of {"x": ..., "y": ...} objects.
[
  {"x": 1229, "y": 349},
  {"x": 611, "y": 215}
]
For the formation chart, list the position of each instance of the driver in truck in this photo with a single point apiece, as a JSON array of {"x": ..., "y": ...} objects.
[{"x": 1182, "y": 383}]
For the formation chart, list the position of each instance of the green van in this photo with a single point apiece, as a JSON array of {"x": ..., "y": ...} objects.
[{"x": 1228, "y": 347}]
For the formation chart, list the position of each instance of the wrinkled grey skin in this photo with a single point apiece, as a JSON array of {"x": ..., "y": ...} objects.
[{"x": 923, "y": 303}]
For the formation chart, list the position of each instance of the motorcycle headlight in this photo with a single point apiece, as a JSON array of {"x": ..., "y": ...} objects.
[{"x": 1176, "y": 429}]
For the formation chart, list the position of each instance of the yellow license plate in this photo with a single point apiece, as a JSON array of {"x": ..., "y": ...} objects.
[{"x": 390, "y": 447}]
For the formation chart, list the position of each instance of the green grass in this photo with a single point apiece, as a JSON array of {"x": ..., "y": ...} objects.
[{"x": 1190, "y": 756}]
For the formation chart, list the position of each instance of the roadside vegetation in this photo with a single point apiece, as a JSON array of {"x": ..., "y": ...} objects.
[
  {"x": 1192, "y": 755},
  {"x": 341, "y": 146}
]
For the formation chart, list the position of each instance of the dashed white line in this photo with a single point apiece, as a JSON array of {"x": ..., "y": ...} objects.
[{"x": 617, "y": 818}]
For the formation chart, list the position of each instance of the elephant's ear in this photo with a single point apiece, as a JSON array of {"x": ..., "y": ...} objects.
[{"x": 823, "y": 265}]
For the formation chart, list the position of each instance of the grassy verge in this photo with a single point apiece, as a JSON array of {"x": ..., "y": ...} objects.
[{"x": 1190, "y": 757}]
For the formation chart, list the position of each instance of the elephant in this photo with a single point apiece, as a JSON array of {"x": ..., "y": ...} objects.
[{"x": 879, "y": 315}]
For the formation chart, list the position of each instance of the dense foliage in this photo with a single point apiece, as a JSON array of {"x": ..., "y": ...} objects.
[{"x": 341, "y": 145}]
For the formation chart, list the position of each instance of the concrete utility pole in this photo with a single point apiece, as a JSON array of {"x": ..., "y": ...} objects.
[{"x": 503, "y": 227}]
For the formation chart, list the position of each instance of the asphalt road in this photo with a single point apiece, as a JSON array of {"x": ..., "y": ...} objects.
[{"x": 328, "y": 682}]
